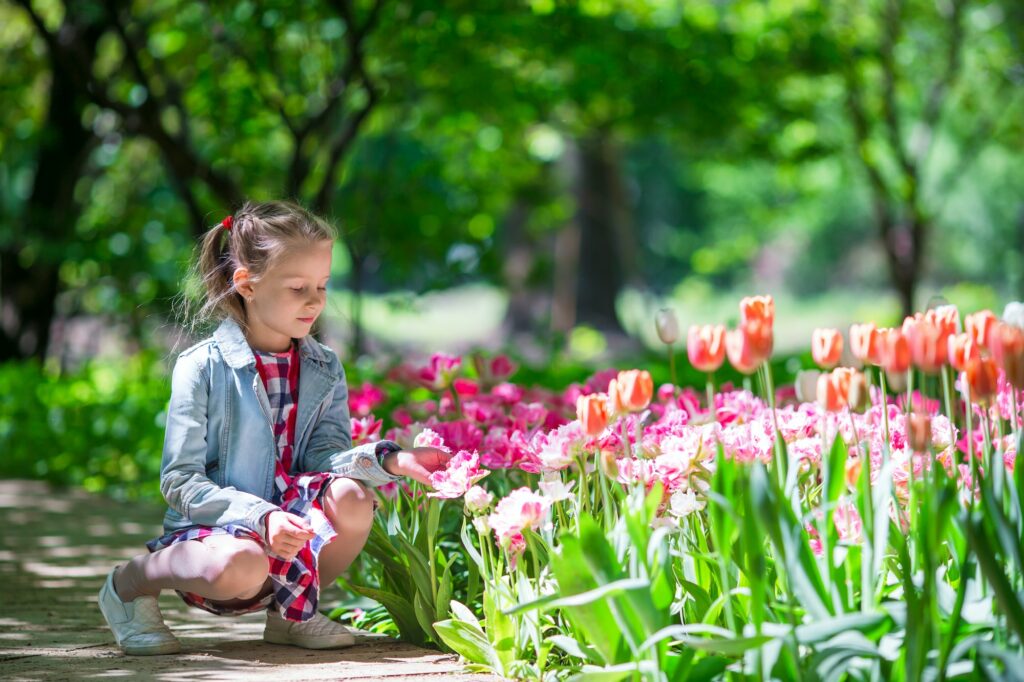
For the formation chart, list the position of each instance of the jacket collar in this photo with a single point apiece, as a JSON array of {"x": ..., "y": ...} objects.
[{"x": 237, "y": 353}]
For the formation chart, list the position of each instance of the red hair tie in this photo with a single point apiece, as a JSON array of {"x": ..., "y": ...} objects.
[{"x": 226, "y": 223}]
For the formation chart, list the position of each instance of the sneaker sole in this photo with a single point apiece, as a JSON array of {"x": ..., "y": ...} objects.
[
  {"x": 161, "y": 649},
  {"x": 309, "y": 642}
]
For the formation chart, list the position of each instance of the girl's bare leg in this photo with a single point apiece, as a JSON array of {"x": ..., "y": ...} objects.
[
  {"x": 220, "y": 567},
  {"x": 349, "y": 507}
]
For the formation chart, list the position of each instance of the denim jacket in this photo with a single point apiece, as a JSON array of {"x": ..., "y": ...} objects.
[{"x": 219, "y": 447}]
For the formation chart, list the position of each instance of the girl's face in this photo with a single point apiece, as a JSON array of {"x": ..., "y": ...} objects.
[{"x": 285, "y": 302}]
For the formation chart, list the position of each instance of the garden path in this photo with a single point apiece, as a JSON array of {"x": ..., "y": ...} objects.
[{"x": 56, "y": 549}]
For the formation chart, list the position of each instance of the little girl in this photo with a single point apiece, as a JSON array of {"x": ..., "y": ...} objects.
[{"x": 266, "y": 492}]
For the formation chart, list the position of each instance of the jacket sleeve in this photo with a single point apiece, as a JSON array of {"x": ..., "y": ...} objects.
[
  {"x": 183, "y": 480},
  {"x": 330, "y": 444}
]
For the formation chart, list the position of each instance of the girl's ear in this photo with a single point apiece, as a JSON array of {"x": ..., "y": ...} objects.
[{"x": 242, "y": 284}]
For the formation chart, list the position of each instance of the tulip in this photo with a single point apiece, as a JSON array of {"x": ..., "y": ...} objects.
[
  {"x": 667, "y": 325},
  {"x": 919, "y": 432},
  {"x": 981, "y": 379},
  {"x": 929, "y": 348},
  {"x": 806, "y": 385},
  {"x": 962, "y": 350},
  {"x": 757, "y": 319},
  {"x": 478, "y": 500},
  {"x": 741, "y": 354},
  {"x": 1007, "y": 343},
  {"x": 979, "y": 326},
  {"x": 826, "y": 347},
  {"x": 895, "y": 351},
  {"x": 864, "y": 343},
  {"x": 853, "y": 469},
  {"x": 858, "y": 397},
  {"x": 1013, "y": 314},
  {"x": 705, "y": 347},
  {"x": 632, "y": 390},
  {"x": 592, "y": 411},
  {"x": 946, "y": 318},
  {"x": 760, "y": 308},
  {"x": 831, "y": 393}
]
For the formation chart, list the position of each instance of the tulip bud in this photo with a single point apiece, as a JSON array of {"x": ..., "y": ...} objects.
[
  {"x": 864, "y": 342},
  {"x": 826, "y": 347},
  {"x": 634, "y": 389},
  {"x": 831, "y": 392},
  {"x": 859, "y": 396},
  {"x": 895, "y": 351},
  {"x": 592, "y": 412},
  {"x": 1007, "y": 344},
  {"x": 979, "y": 325},
  {"x": 929, "y": 348},
  {"x": 961, "y": 351},
  {"x": 807, "y": 385},
  {"x": 667, "y": 324},
  {"x": 981, "y": 375},
  {"x": 705, "y": 346},
  {"x": 1013, "y": 314},
  {"x": 853, "y": 469},
  {"x": 609, "y": 467},
  {"x": 919, "y": 432},
  {"x": 741, "y": 353}
]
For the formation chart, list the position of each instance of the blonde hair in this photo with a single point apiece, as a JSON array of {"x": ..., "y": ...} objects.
[{"x": 259, "y": 235}]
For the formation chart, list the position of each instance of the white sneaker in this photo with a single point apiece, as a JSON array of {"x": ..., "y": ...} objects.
[
  {"x": 138, "y": 625},
  {"x": 319, "y": 632}
]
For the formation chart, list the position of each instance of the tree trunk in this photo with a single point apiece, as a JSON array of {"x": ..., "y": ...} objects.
[
  {"x": 602, "y": 217},
  {"x": 30, "y": 262}
]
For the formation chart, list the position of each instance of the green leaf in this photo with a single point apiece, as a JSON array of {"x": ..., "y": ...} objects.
[
  {"x": 469, "y": 641},
  {"x": 402, "y": 612}
]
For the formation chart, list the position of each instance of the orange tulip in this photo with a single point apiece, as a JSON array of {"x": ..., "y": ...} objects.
[
  {"x": 982, "y": 377},
  {"x": 919, "y": 432},
  {"x": 834, "y": 389},
  {"x": 895, "y": 351},
  {"x": 632, "y": 390},
  {"x": 1007, "y": 344},
  {"x": 757, "y": 320},
  {"x": 961, "y": 351},
  {"x": 742, "y": 354},
  {"x": 979, "y": 325},
  {"x": 592, "y": 411},
  {"x": 864, "y": 343},
  {"x": 826, "y": 347},
  {"x": 706, "y": 347}
]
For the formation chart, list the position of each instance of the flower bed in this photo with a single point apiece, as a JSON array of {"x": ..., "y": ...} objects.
[{"x": 867, "y": 523}]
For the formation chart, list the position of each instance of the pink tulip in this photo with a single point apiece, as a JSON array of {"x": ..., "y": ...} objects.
[
  {"x": 521, "y": 509},
  {"x": 458, "y": 477}
]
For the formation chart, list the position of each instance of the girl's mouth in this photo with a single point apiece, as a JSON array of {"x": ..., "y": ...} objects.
[{"x": 307, "y": 320}]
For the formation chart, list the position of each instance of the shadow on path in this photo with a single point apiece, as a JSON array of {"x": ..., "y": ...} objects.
[{"x": 55, "y": 552}]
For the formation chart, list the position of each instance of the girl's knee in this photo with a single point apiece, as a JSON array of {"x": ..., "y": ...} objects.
[
  {"x": 349, "y": 503},
  {"x": 241, "y": 571}
]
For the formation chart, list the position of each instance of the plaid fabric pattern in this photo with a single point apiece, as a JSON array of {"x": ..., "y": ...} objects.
[{"x": 296, "y": 583}]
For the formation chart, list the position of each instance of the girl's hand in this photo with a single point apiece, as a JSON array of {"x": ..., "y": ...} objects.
[
  {"x": 287, "y": 533},
  {"x": 417, "y": 463}
]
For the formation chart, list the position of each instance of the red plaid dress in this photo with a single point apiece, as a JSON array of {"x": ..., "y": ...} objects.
[{"x": 296, "y": 583}]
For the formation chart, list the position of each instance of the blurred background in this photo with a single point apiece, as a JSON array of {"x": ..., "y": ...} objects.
[{"x": 534, "y": 177}]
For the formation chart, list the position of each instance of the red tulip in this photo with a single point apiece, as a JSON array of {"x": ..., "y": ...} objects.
[
  {"x": 979, "y": 326},
  {"x": 982, "y": 377},
  {"x": 757, "y": 320},
  {"x": 895, "y": 351},
  {"x": 962, "y": 350},
  {"x": 919, "y": 433},
  {"x": 592, "y": 411},
  {"x": 826, "y": 347},
  {"x": 632, "y": 391},
  {"x": 1007, "y": 344},
  {"x": 705, "y": 347},
  {"x": 864, "y": 343},
  {"x": 742, "y": 354},
  {"x": 929, "y": 348}
]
